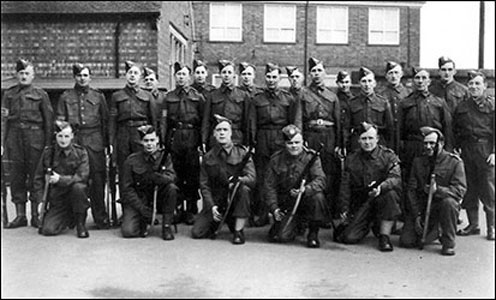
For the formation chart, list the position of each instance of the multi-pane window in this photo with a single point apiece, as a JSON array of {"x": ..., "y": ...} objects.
[
  {"x": 332, "y": 24},
  {"x": 226, "y": 21},
  {"x": 279, "y": 23},
  {"x": 384, "y": 26}
]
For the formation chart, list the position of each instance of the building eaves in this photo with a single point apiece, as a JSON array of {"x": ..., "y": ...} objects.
[{"x": 79, "y": 7}]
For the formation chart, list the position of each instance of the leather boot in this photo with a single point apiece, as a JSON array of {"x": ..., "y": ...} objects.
[
  {"x": 238, "y": 237},
  {"x": 490, "y": 226},
  {"x": 82, "y": 232},
  {"x": 35, "y": 221},
  {"x": 313, "y": 235},
  {"x": 473, "y": 226},
  {"x": 385, "y": 244},
  {"x": 20, "y": 220},
  {"x": 167, "y": 220}
]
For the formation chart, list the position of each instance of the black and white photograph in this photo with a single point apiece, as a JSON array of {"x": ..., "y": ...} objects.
[{"x": 247, "y": 149}]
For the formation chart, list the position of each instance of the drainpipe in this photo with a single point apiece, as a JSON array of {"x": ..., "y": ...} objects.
[
  {"x": 305, "y": 50},
  {"x": 482, "y": 16},
  {"x": 117, "y": 34}
]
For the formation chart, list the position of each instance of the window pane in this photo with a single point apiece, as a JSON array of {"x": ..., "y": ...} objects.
[{"x": 225, "y": 21}]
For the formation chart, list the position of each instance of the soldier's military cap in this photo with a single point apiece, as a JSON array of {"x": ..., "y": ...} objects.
[
  {"x": 219, "y": 119},
  {"x": 78, "y": 68},
  {"x": 291, "y": 69},
  {"x": 416, "y": 70},
  {"x": 426, "y": 130},
  {"x": 61, "y": 125},
  {"x": 312, "y": 62},
  {"x": 269, "y": 67},
  {"x": 129, "y": 64},
  {"x": 179, "y": 66},
  {"x": 391, "y": 65},
  {"x": 364, "y": 127},
  {"x": 22, "y": 64},
  {"x": 474, "y": 73},
  {"x": 342, "y": 75},
  {"x": 149, "y": 71},
  {"x": 364, "y": 72},
  {"x": 290, "y": 131},
  {"x": 224, "y": 63},
  {"x": 199, "y": 63},
  {"x": 145, "y": 129},
  {"x": 443, "y": 60},
  {"x": 244, "y": 65}
]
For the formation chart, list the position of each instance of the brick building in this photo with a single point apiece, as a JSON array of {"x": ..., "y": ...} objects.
[
  {"x": 103, "y": 34},
  {"x": 345, "y": 34}
]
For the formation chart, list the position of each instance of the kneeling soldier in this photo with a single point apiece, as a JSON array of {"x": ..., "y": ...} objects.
[
  {"x": 224, "y": 166},
  {"x": 67, "y": 198},
  {"x": 145, "y": 172}
]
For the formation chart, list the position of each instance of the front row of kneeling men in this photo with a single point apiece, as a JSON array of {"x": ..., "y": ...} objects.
[{"x": 228, "y": 174}]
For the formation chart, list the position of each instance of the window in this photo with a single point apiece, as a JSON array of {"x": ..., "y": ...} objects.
[
  {"x": 279, "y": 23},
  {"x": 384, "y": 26},
  {"x": 226, "y": 22},
  {"x": 332, "y": 25}
]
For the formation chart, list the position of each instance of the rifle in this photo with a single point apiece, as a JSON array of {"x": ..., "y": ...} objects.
[
  {"x": 345, "y": 225},
  {"x": 111, "y": 191},
  {"x": 161, "y": 169},
  {"x": 432, "y": 181},
  {"x": 44, "y": 199},
  {"x": 301, "y": 184},
  {"x": 5, "y": 216},
  {"x": 231, "y": 194}
]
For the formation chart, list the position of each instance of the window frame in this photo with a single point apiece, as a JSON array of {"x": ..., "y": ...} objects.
[
  {"x": 265, "y": 38},
  {"x": 384, "y": 28},
  {"x": 319, "y": 38},
  {"x": 225, "y": 27}
]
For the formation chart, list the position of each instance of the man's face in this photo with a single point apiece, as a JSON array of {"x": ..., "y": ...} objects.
[
  {"x": 476, "y": 86},
  {"x": 133, "y": 75},
  {"x": 345, "y": 84},
  {"x": 223, "y": 133},
  {"x": 26, "y": 76},
  {"x": 83, "y": 79},
  {"x": 248, "y": 76},
  {"x": 151, "y": 81},
  {"x": 227, "y": 75},
  {"x": 430, "y": 142},
  {"x": 422, "y": 80},
  {"x": 272, "y": 79},
  {"x": 200, "y": 75},
  {"x": 296, "y": 79},
  {"x": 367, "y": 84},
  {"x": 317, "y": 73},
  {"x": 150, "y": 142},
  {"x": 182, "y": 77},
  {"x": 368, "y": 140},
  {"x": 447, "y": 72},
  {"x": 64, "y": 137},
  {"x": 295, "y": 145},
  {"x": 394, "y": 75}
]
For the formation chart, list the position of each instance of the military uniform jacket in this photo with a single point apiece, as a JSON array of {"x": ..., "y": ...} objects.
[
  {"x": 361, "y": 169},
  {"x": 72, "y": 164},
  {"x": 230, "y": 102},
  {"x": 130, "y": 104},
  {"x": 27, "y": 107},
  {"x": 424, "y": 109},
  {"x": 273, "y": 109},
  {"x": 474, "y": 121},
  {"x": 216, "y": 169},
  {"x": 251, "y": 90},
  {"x": 284, "y": 170},
  {"x": 141, "y": 172},
  {"x": 453, "y": 93},
  {"x": 394, "y": 94},
  {"x": 87, "y": 109},
  {"x": 203, "y": 89},
  {"x": 450, "y": 180}
]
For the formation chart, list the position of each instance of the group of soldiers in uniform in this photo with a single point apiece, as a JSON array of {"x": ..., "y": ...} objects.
[{"x": 298, "y": 158}]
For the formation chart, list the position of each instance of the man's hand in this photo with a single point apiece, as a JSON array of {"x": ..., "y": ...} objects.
[
  {"x": 419, "y": 228},
  {"x": 278, "y": 215},
  {"x": 54, "y": 178},
  {"x": 294, "y": 192},
  {"x": 427, "y": 187},
  {"x": 375, "y": 192},
  {"x": 146, "y": 214},
  {"x": 216, "y": 214},
  {"x": 490, "y": 160}
]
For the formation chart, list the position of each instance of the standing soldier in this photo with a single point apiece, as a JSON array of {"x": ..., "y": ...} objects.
[
  {"x": 217, "y": 179},
  {"x": 372, "y": 163},
  {"x": 419, "y": 109},
  {"x": 229, "y": 101},
  {"x": 130, "y": 108},
  {"x": 371, "y": 108},
  {"x": 447, "y": 87},
  {"x": 150, "y": 79},
  {"x": 344, "y": 94},
  {"x": 474, "y": 133},
  {"x": 321, "y": 118},
  {"x": 200, "y": 73},
  {"x": 86, "y": 110},
  {"x": 394, "y": 91},
  {"x": 182, "y": 113},
  {"x": 67, "y": 198},
  {"x": 145, "y": 172},
  {"x": 270, "y": 110},
  {"x": 247, "y": 73},
  {"x": 27, "y": 119},
  {"x": 296, "y": 79},
  {"x": 448, "y": 189}
]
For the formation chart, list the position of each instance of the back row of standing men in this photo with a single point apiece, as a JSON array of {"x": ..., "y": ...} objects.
[{"x": 184, "y": 118}]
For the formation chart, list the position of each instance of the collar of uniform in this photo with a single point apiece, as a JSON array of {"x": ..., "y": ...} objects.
[
  {"x": 275, "y": 91},
  {"x": 398, "y": 88},
  {"x": 224, "y": 88},
  {"x": 66, "y": 150},
  {"x": 423, "y": 94},
  {"x": 292, "y": 158},
  {"x": 317, "y": 87},
  {"x": 154, "y": 91},
  {"x": 184, "y": 88},
  {"x": 21, "y": 87},
  {"x": 81, "y": 89},
  {"x": 151, "y": 157},
  {"x": 348, "y": 93},
  {"x": 481, "y": 100},
  {"x": 372, "y": 154},
  {"x": 133, "y": 89}
]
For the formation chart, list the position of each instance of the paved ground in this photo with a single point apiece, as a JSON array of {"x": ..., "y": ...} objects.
[{"x": 106, "y": 265}]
